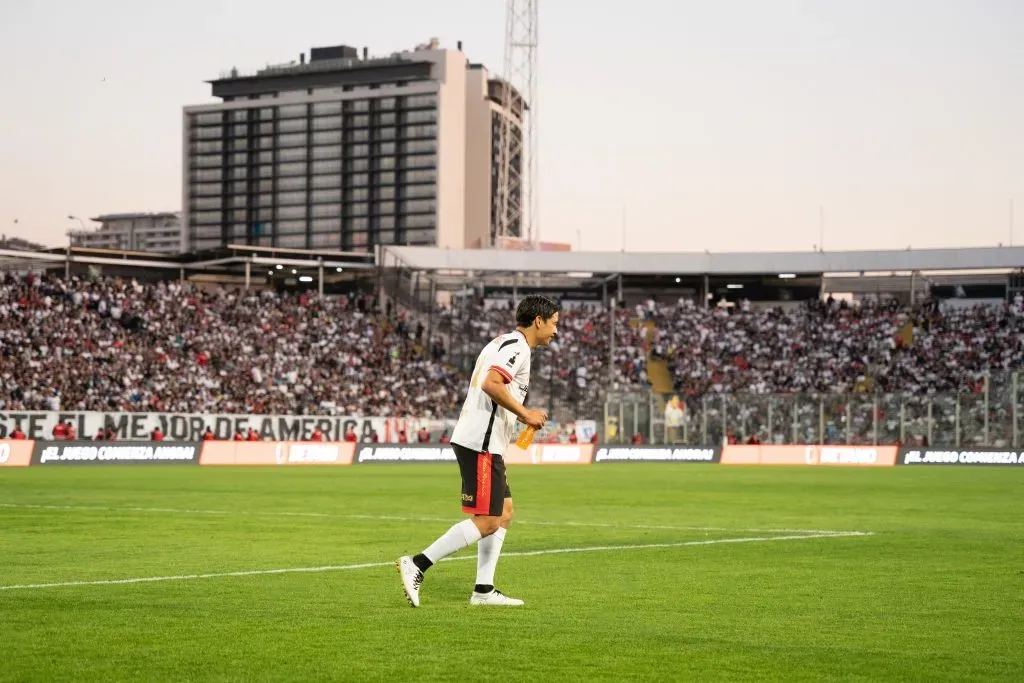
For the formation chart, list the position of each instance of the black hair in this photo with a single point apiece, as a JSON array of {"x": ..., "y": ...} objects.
[{"x": 533, "y": 306}]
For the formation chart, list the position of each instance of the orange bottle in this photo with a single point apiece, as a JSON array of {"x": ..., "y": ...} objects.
[{"x": 526, "y": 438}]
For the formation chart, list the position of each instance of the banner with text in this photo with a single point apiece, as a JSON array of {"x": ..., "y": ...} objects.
[
  {"x": 115, "y": 453},
  {"x": 537, "y": 454},
  {"x": 277, "y": 453},
  {"x": 190, "y": 426},
  {"x": 656, "y": 454},
  {"x": 769, "y": 454},
  {"x": 15, "y": 452},
  {"x": 935, "y": 456}
]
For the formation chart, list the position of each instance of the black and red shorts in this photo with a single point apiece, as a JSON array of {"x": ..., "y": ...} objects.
[{"x": 484, "y": 488}]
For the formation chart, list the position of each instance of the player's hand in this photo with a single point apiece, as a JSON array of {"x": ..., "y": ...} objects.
[{"x": 535, "y": 418}]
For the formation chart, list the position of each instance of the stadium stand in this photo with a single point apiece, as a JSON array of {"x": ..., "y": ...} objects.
[{"x": 112, "y": 344}]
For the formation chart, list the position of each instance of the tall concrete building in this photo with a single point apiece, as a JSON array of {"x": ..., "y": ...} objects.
[
  {"x": 159, "y": 232},
  {"x": 345, "y": 152}
]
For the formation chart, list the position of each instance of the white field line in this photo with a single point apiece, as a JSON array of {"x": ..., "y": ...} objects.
[
  {"x": 369, "y": 565},
  {"x": 394, "y": 518}
]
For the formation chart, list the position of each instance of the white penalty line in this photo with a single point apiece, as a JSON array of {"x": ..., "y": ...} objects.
[
  {"x": 394, "y": 518},
  {"x": 371, "y": 565}
]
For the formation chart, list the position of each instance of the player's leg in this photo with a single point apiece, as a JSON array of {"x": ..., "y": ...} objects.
[
  {"x": 477, "y": 479},
  {"x": 488, "y": 551}
]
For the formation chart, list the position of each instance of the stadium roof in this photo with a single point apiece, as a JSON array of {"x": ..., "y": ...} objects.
[{"x": 697, "y": 263}]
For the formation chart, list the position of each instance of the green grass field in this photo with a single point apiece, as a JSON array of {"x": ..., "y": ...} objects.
[{"x": 935, "y": 593}]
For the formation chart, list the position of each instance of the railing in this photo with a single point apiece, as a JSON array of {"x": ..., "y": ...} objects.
[{"x": 992, "y": 417}]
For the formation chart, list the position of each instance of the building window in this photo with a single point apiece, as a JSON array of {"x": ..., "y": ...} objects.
[
  {"x": 418, "y": 221},
  {"x": 355, "y": 165},
  {"x": 421, "y": 206},
  {"x": 298, "y": 197},
  {"x": 288, "y": 111},
  {"x": 327, "y": 195},
  {"x": 295, "y": 168},
  {"x": 420, "y": 101},
  {"x": 206, "y": 203},
  {"x": 326, "y": 210},
  {"x": 386, "y": 192},
  {"x": 327, "y": 122},
  {"x": 419, "y": 191},
  {"x": 285, "y": 227},
  {"x": 206, "y": 161},
  {"x": 291, "y": 140},
  {"x": 326, "y": 180},
  {"x": 291, "y": 125},
  {"x": 206, "y": 174},
  {"x": 421, "y": 116},
  {"x": 419, "y": 131},
  {"x": 327, "y": 152},
  {"x": 357, "y": 209},
  {"x": 357, "y": 194},
  {"x": 326, "y": 225},
  {"x": 291, "y": 241},
  {"x": 385, "y": 163},
  {"x": 357, "y": 136},
  {"x": 291, "y": 212},
  {"x": 215, "y": 117},
  {"x": 416, "y": 146},
  {"x": 386, "y": 178},
  {"x": 327, "y": 107},
  {"x": 325, "y": 239},
  {"x": 386, "y": 133},
  {"x": 421, "y": 236},
  {"x": 207, "y": 132},
  {"x": 386, "y": 103},
  {"x": 207, "y": 217},
  {"x": 296, "y": 182},
  {"x": 327, "y": 166},
  {"x": 419, "y": 161},
  {"x": 359, "y": 105},
  {"x": 386, "y": 222},
  {"x": 291, "y": 154},
  {"x": 207, "y": 146},
  {"x": 327, "y": 137},
  {"x": 423, "y": 176},
  {"x": 358, "y": 179},
  {"x": 358, "y": 150}
]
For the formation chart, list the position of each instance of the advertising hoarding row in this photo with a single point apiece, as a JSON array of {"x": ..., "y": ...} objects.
[{"x": 21, "y": 453}]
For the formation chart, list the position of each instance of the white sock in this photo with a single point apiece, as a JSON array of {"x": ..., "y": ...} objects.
[
  {"x": 487, "y": 551},
  {"x": 458, "y": 537}
]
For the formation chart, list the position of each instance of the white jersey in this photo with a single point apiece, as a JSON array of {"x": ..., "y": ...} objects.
[{"x": 483, "y": 425}]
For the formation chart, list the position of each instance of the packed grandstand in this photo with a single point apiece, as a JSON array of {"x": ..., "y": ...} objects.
[{"x": 115, "y": 345}]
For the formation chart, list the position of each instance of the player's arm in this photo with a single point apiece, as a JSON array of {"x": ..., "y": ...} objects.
[{"x": 494, "y": 386}]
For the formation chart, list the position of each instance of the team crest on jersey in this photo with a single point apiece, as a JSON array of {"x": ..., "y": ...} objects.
[{"x": 512, "y": 361}]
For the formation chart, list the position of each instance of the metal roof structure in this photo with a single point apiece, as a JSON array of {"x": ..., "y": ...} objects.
[{"x": 701, "y": 263}]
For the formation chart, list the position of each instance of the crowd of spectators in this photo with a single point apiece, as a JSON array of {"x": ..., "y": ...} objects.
[{"x": 118, "y": 345}]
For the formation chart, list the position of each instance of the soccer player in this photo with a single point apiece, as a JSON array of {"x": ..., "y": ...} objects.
[{"x": 494, "y": 402}]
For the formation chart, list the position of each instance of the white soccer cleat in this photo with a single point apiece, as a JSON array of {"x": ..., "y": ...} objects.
[
  {"x": 412, "y": 577},
  {"x": 495, "y": 597}
]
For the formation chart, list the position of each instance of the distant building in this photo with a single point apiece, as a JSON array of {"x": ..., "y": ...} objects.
[
  {"x": 346, "y": 152},
  {"x": 19, "y": 244},
  {"x": 153, "y": 232}
]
